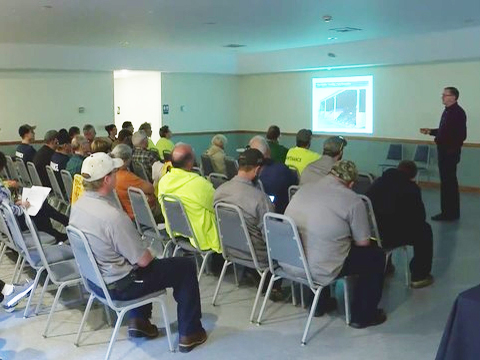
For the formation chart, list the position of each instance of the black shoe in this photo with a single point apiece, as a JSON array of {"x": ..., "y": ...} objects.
[
  {"x": 443, "y": 217},
  {"x": 379, "y": 318},
  {"x": 328, "y": 305}
]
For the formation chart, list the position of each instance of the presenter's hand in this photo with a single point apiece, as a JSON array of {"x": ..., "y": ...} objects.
[{"x": 425, "y": 131}]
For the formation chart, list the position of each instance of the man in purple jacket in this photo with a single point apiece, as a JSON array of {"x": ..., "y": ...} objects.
[{"x": 449, "y": 137}]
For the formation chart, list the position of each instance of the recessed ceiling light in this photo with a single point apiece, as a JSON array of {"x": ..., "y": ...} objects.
[
  {"x": 234, "y": 46},
  {"x": 327, "y": 18},
  {"x": 332, "y": 38}
]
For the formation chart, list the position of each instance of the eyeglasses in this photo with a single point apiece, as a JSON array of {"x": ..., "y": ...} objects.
[{"x": 445, "y": 95}]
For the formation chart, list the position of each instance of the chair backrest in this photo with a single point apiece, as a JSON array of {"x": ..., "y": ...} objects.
[
  {"x": 32, "y": 170},
  {"x": 67, "y": 183},
  {"x": 12, "y": 170},
  {"x": 5, "y": 235},
  {"x": 4, "y": 174},
  {"x": 233, "y": 232},
  {"x": 23, "y": 172},
  {"x": 371, "y": 218},
  {"x": 395, "y": 152},
  {"x": 141, "y": 210},
  {"x": 139, "y": 170},
  {"x": 207, "y": 165},
  {"x": 176, "y": 217},
  {"x": 197, "y": 170},
  {"x": 117, "y": 200},
  {"x": 57, "y": 191},
  {"x": 86, "y": 263},
  {"x": 284, "y": 247},
  {"x": 363, "y": 183},
  {"x": 292, "y": 189},
  {"x": 422, "y": 154},
  {"x": 259, "y": 184},
  {"x": 217, "y": 179},
  {"x": 231, "y": 167}
]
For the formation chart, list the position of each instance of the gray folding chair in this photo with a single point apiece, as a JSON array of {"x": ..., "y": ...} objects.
[
  {"x": 140, "y": 171},
  {"x": 363, "y": 183},
  {"x": 67, "y": 183},
  {"x": 237, "y": 246},
  {"x": 181, "y": 230},
  {"x": 4, "y": 175},
  {"x": 12, "y": 170},
  {"x": 422, "y": 159},
  {"x": 376, "y": 234},
  {"x": 207, "y": 165},
  {"x": 27, "y": 248},
  {"x": 394, "y": 156},
  {"x": 61, "y": 273},
  {"x": 146, "y": 224},
  {"x": 231, "y": 166},
  {"x": 23, "y": 172},
  {"x": 32, "y": 170},
  {"x": 90, "y": 274},
  {"x": 292, "y": 189},
  {"x": 197, "y": 170},
  {"x": 217, "y": 179},
  {"x": 57, "y": 190},
  {"x": 287, "y": 260}
]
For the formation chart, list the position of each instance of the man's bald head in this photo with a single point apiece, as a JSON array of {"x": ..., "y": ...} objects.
[{"x": 183, "y": 157}]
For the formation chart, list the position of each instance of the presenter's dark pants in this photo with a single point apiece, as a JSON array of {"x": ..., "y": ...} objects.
[
  {"x": 178, "y": 273},
  {"x": 447, "y": 166}
]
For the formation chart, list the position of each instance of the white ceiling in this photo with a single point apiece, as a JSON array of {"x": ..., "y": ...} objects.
[{"x": 207, "y": 25}]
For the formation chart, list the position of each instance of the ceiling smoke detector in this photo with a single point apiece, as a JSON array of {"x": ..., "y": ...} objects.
[
  {"x": 234, "y": 46},
  {"x": 345, "y": 29},
  {"x": 331, "y": 55}
]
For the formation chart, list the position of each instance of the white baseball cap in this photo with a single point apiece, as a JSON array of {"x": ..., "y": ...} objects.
[{"x": 98, "y": 165}]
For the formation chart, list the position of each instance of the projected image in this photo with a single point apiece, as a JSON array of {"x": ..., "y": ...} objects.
[{"x": 342, "y": 104}]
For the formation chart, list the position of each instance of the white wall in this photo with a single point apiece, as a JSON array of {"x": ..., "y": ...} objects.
[
  {"x": 138, "y": 94},
  {"x": 51, "y": 100},
  {"x": 405, "y": 98},
  {"x": 210, "y": 102}
]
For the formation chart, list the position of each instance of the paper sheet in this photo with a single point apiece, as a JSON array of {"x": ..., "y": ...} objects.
[{"x": 35, "y": 195}]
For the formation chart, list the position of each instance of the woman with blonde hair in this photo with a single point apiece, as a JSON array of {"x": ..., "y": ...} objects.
[{"x": 217, "y": 153}]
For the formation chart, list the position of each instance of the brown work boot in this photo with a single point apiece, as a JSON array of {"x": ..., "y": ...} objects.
[
  {"x": 189, "y": 342},
  {"x": 141, "y": 328}
]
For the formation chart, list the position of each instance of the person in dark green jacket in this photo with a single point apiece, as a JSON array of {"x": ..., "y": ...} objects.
[{"x": 278, "y": 153}]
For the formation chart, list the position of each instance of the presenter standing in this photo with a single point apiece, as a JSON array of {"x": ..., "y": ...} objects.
[{"x": 449, "y": 138}]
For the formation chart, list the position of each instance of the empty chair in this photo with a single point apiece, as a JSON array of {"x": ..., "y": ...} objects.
[
  {"x": 207, "y": 166},
  {"x": 57, "y": 190},
  {"x": 140, "y": 171},
  {"x": 67, "y": 183},
  {"x": 363, "y": 183},
  {"x": 231, "y": 167},
  {"x": 292, "y": 190},
  {"x": 422, "y": 159},
  {"x": 144, "y": 220},
  {"x": 217, "y": 179},
  {"x": 287, "y": 260},
  {"x": 376, "y": 234},
  {"x": 394, "y": 156},
  {"x": 23, "y": 172},
  {"x": 11, "y": 169},
  {"x": 61, "y": 273},
  {"x": 90, "y": 274},
  {"x": 236, "y": 241},
  {"x": 32, "y": 170},
  {"x": 181, "y": 231}
]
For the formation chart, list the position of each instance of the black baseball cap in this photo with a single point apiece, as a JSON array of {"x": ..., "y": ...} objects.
[{"x": 25, "y": 129}]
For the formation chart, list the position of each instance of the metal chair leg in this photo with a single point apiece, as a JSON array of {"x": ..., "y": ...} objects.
[
  {"x": 44, "y": 288},
  {"x": 292, "y": 289},
  {"x": 220, "y": 280},
  {"x": 84, "y": 319},
  {"x": 259, "y": 293},
  {"x": 310, "y": 315},
  {"x": 204, "y": 263},
  {"x": 20, "y": 270},
  {"x": 17, "y": 265},
  {"x": 346, "y": 297},
  {"x": 267, "y": 296},
  {"x": 166, "y": 321},
  {"x": 35, "y": 285},
  {"x": 235, "y": 274},
  {"x": 55, "y": 302},
  {"x": 115, "y": 333},
  {"x": 407, "y": 269}
]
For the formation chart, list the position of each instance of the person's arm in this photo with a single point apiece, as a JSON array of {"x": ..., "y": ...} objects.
[
  {"x": 145, "y": 259},
  {"x": 359, "y": 224},
  {"x": 427, "y": 131}
]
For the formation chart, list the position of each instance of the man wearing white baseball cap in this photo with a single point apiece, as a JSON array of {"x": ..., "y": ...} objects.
[{"x": 127, "y": 265}]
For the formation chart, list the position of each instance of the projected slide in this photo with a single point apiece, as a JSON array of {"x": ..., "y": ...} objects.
[{"x": 342, "y": 104}]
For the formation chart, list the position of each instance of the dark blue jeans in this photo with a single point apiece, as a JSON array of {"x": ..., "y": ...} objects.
[{"x": 177, "y": 273}]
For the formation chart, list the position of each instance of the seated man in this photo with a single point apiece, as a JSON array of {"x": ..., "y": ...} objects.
[
  {"x": 141, "y": 154},
  {"x": 333, "y": 225},
  {"x": 217, "y": 154},
  {"x": 276, "y": 177},
  {"x": 147, "y": 128},
  {"x": 332, "y": 152},
  {"x": 25, "y": 151},
  {"x": 196, "y": 194},
  {"x": 61, "y": 156},
  {"x": 81, "y": 149},
  {"x": 44, "y": 155},
  {"x": 89, "y": 132},
  {"x": 164, "y": 143},
  {"x": 300, "y": 156},
  {"x": 126, "y": 178},
  {"x": 128, "y": 267},
  {"x": 400, "y": 214},
  {"x": 278, "y": 153}
]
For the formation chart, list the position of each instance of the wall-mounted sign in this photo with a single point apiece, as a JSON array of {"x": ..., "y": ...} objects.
[{"x": 166, "y": 109}]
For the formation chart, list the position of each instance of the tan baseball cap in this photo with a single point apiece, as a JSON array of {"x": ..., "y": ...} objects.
[{"x": 345, "y": 170}]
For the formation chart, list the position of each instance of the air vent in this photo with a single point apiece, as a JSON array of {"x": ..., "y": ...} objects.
[
  {"x": 345, "y": 29},
  {"x": 234, "y": 46}
]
